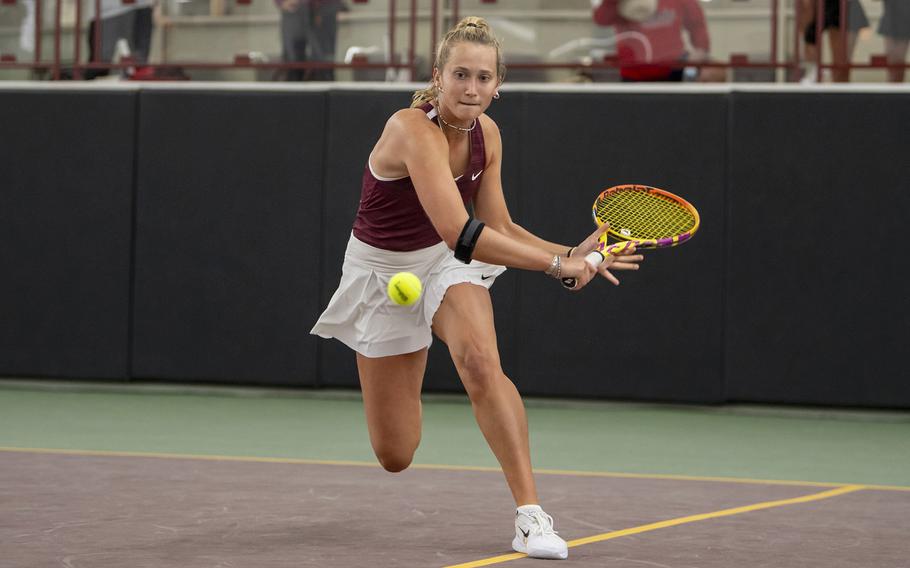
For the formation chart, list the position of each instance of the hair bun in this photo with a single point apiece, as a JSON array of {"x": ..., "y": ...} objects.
[{"x": 475, "y": 22}]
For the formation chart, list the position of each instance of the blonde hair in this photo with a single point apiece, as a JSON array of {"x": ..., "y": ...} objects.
[{"x": 473, "y": 29}]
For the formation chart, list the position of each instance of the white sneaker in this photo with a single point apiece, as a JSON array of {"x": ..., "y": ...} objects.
[
  {"x": 534, "y": 536},
  {"x": 810, "y": 76}
]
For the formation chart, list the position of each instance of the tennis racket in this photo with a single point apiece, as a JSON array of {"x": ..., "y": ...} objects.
[{"x": 639, "y": 215}]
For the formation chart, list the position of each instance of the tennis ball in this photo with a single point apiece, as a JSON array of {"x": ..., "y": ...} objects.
[{"x": 404, "y": 288}]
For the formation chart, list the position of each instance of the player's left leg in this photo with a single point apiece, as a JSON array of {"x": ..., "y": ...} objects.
[{"x": 464, "y": 321}]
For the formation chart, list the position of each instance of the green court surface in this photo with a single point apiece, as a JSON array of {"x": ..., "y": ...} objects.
[{"x": 754, "y": 442}]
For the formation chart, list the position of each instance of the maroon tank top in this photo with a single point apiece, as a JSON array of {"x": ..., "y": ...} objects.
[{"x": 390, "y": 216}]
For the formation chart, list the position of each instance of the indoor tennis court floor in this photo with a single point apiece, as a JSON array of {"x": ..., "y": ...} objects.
[{"x": 100, "y": 475}]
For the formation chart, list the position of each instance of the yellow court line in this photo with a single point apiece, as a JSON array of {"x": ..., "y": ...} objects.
[
  {"x": 167, "y": 455},
  {"x": 679, "y": 477},
  {"x": 353, "y": 463},
  {"x": 675, "y": 522}
]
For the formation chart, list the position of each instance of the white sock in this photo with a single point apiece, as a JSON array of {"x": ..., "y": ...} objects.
[{"x": 528, "y": 509}]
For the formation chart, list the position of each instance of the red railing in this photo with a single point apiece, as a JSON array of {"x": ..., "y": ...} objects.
[{"x": 736, "y": 60}]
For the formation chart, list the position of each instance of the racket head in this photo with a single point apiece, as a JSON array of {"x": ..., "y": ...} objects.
[{"x": 647, "y": 216}]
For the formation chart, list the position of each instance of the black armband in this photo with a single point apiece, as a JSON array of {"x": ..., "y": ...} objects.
[{"x": 464, "y": 248}]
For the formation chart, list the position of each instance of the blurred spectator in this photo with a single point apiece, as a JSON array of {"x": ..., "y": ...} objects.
[
  {"x": 325, "y": 22},
  {"x": 129, "y": 25},
  {"x": 650, "y": 44},
  {"x": 296, "y": 34},
  {"x": 308, "y": 33},
  {"x": 841, "y": 51},
  {"x": 895, "y": 27}
]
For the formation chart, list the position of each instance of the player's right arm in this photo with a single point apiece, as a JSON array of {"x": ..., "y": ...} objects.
[{"x": 414, "y": 144}]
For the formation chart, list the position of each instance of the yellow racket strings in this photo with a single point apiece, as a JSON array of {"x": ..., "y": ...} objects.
[{"x": 637, "y": 213}]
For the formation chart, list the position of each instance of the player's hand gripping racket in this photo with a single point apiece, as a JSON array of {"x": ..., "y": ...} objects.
[{"x": 639, "y": 215}]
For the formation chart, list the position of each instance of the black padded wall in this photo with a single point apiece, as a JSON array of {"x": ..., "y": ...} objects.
[
  {"x": 228, "y": 235},
  {"x": 659, "y": 334},
  {"x": 818, "y": 308},
  {"x": 66, "y": 173},
  {"x": 197, "y": 235}
]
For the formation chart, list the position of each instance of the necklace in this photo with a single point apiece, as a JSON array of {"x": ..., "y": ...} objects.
[{"x": 458, "y": 128}]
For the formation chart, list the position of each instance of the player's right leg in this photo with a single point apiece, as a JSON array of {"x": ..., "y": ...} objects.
[
  {"x": 391, "y": 400},
  {"x": 464, "y": 322}
]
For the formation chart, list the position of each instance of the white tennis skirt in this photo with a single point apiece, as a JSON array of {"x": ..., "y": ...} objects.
[{"x": 362, "y": 316}]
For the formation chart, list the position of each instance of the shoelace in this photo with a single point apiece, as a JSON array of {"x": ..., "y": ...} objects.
[{"x": 544, "y": 521}]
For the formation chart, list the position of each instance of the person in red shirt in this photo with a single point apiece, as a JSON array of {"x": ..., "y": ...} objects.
[{"x": 650, "y": 44}]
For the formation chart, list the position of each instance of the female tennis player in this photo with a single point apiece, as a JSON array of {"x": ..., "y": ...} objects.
[{"x": 430, "y": 162}]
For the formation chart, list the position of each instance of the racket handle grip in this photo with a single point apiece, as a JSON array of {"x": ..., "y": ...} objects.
[{"x": 594, "y": 258}]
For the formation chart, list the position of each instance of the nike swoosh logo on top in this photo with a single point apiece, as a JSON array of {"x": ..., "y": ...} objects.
[
  {"x": 484, "y": 277},
  {"x": 477, "y": 175}
]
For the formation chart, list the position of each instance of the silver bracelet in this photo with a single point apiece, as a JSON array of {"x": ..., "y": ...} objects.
[{"x": 555, "y": 268}]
